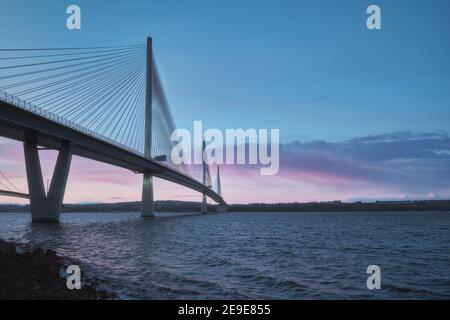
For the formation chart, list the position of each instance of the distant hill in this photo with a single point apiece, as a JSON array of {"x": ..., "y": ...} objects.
[{"x": 184, "y": 206}]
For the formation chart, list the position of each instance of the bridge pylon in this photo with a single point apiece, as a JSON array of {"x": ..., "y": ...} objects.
[
  {"x": 147, "y": 203},
  {"x": 204, "y": 198},
  {"x": 204, "y": 204},
  {"x": 220, "y": 207},
  {"x": 47, "y": 207}
]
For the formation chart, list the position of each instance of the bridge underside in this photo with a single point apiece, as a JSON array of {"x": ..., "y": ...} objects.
[{"x": 22, "y": 125}]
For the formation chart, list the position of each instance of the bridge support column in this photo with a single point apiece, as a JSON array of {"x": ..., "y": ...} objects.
[
  {"x": 47, "y": 208},
  {"x": 147, "y": 204},
  {"x": 36, "y": 189},
  {"x": 204, "y": 204}
]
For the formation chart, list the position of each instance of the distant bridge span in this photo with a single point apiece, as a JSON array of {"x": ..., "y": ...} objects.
[{"x": 14, "y": 194}]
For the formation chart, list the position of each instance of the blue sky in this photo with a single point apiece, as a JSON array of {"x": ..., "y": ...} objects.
[
  {"x": 310, "y": 68},
  {"x": 363, "y": 115}
]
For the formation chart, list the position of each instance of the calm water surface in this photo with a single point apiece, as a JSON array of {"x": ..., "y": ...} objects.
[{"x": 252, "y": 256}]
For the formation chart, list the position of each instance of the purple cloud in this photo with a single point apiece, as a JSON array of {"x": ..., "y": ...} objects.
[{"x": 408, "y": 162}]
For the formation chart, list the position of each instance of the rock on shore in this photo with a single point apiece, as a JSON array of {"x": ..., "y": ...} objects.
[{"x": 36, "y": 275}]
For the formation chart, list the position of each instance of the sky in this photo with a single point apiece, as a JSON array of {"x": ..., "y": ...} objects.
[{"x": 363, "y": 114}]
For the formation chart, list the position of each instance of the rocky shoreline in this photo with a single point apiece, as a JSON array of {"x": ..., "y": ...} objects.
[{"x": 36, "y": 274}]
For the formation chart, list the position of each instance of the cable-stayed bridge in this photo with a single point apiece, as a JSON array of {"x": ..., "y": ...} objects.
[{"x": 103, "y": 103}]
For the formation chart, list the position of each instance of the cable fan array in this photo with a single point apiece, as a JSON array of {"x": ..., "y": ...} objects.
[
  {"x": 163, "y": 124},
  {"x": 100, "y": 89}
]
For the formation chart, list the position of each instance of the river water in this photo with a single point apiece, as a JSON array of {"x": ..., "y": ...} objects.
[{"x": 251, "y": 255}]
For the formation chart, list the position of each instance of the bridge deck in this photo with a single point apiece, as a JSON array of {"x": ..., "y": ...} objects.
[
  {"x": 13, "y": 194},
  {"x": 23, "y": 125}
]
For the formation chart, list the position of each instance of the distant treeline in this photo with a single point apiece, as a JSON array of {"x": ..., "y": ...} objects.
[
  {"x": 162, "y": 206},
  {"x": 337, "y": 206},
  {"x": 183, "y": 206}
]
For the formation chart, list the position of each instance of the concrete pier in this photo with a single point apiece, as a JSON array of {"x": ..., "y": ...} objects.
[{"x": 47, "y": 207}]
